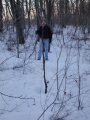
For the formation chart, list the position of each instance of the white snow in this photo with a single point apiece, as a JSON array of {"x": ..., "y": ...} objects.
[{"x": 19, "y": 80}]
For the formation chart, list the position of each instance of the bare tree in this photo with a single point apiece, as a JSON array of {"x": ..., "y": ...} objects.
[
  {"x": 88, "y": 8},
  {"x": 17, "y": 17},
  {"x": 1, "y": 16},
  {"x": 28, "y": 8},
  {"x": 37, "y": 13},
  {"x": 49, "y": 8}
]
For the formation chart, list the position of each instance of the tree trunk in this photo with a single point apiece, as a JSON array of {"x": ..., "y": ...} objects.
[
  {"x": 37, "y": 13},
  {"x": 16, "y": 10},
  {"x": 49, "y": 10},
  {"x": 88, "y": 17},
  {"x": 1, "y": 17}
]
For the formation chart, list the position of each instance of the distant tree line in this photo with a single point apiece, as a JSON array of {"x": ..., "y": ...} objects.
[{"x": 62, "y": 12}]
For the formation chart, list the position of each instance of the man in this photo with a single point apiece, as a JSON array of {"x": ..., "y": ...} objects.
[{"x": 45, "y": 36}]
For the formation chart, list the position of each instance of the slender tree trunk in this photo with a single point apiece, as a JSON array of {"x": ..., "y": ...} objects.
[
  {"x": 37, "y": 13},
  {"x": 29, "y": 13},
  {"x": 44, "y": 69},
  {"x": 89, "y": 16},
  {"x": 79, "y": 78},
  {"x": 1, "y": 16},
  {"x": 7, "y": 17},
  {"x": 22, "y": 18}
]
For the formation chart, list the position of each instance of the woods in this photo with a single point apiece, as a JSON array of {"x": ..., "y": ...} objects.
[
  {"x": 63, "y": 12},
  {"x": 56, "y": 85}
]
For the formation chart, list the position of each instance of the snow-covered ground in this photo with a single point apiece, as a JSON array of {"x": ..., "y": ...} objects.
[{"x": 22, "y": 86}]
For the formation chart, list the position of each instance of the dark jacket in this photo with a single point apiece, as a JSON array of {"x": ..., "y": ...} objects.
[{"x": 44, "y": 32}]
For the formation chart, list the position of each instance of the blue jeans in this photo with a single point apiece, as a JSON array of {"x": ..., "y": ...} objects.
[{"x": 45, "y": 44}]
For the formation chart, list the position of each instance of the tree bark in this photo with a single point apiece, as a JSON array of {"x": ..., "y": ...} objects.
[
  {"x": 16, "y": 11},
  {"x": 1, "y": 16},
  {"x": 37, "y": 13}
]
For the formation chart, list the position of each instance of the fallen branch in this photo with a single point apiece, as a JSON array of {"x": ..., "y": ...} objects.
[{"x": 17, "y": 97}]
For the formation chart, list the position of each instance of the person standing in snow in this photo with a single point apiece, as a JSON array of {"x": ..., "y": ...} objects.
[{"x": 45, "y": 37}]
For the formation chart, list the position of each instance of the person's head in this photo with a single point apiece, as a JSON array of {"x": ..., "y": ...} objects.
[{"x": 43, "y": 22}]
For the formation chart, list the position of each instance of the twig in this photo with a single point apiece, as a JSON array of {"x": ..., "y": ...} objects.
[{"x": 17, "y": 97}]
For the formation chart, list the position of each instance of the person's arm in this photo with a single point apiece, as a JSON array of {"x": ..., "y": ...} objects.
[
  {"x": 50, "y": 35},
  {"x": 38, "y": 32}
]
